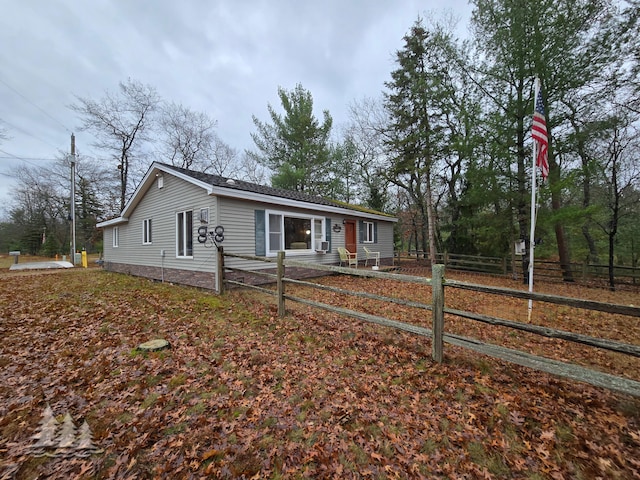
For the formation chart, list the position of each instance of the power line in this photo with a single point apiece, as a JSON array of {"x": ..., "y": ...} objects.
[
  {"x": 35, "y": 105},
  {"x": 9, "y": 157},
  {"x": 45, "y": 113},
  {"x": 20, "y": 158},
  {"x": 25, "y": 132},
  {"x": 41, "y": 110}
]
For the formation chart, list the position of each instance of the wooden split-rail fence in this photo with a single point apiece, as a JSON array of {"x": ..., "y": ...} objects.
[
  {"x": 437, "y": 334},
  {"x": 624, "y": 275}
]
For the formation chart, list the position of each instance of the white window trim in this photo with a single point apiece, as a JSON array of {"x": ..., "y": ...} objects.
[
  {"x": 306, "y": 251},
  {"x": 116, "y": 237},
  {"x": 147, "y": 226},
  {"x": 369, "y": 232},
  {"x": 178, "y": 233}
]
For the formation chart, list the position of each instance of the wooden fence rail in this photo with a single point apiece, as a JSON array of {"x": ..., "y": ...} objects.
[
  {"x": 438, "y": 311},
  {"x": 550, "y": 270}
]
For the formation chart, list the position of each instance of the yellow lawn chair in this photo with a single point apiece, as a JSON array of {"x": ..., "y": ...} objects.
[{"x": 347, "y": 257}]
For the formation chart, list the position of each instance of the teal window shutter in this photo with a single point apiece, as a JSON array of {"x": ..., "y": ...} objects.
[
  {"x": 261, "y": 244},
  {"x": 375, "y": 232},
  {"x": 361, "y": 229},
  {"x": 327, "y": 229}
]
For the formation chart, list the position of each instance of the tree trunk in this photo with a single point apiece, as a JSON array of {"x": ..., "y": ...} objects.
[
  {"x": 613, "y": 223},
  {"x": 431, "y": 222},
  {"x": 563, "y": 252},
  {"x": 591, "y": 244},
  {"x": 561, "y": 240},
  {"x": 586, "y": 202},
  {"x": 612, "y": 237},
  {"x": 586, "y": 185},
  {"x": 123, "y": 185},
  {"x": 424, "y": 234}
]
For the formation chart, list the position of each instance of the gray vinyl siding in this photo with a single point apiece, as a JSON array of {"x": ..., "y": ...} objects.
[
  {"x": 385, "y": 240},
  {"x": 161, "y": 206},
  {"x": 111, "y": 253},
  {"x": 238, "y": 218}
]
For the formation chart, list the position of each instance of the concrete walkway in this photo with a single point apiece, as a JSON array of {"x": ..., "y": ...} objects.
[{"x": 41, "y": 265}]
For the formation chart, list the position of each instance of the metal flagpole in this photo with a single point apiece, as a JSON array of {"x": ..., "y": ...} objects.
[
  {"x": 72, "y": 203},
  {"x": 533, "y": 205}
]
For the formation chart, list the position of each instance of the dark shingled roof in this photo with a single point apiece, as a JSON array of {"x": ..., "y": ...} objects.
[{"x": 218, "y": 181}]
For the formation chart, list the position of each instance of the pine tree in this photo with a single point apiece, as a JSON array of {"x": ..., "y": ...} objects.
[
  {"x": 296, "y": 146},
  {"x": 416, "y": 137}
]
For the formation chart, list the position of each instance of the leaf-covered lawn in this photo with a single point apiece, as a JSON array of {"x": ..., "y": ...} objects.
[
  {"x": 242, "y": 393},
  {"x": 620, "y": 328}
]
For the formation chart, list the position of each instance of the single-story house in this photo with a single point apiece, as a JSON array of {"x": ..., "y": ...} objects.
[{"x": 159, "y": 232}]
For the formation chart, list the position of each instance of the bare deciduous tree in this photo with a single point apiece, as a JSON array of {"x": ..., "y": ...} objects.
[
  {"x": 620, "y": 179},
  {"x": 3, "y": 133},
  {"x": 39, "y": 211},
  {"x": 120, "y": 123},
  {"x": 222, "y": 159},
  {"x": 189, "y": 141},
  {"x": 252, "y": 171},
  {"x": 367, "y": 131},
  {"x": 187, "y": 136}
]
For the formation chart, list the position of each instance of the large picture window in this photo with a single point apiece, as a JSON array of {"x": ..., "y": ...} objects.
[
  {"x": 184, "y": 234},
  {"x": 294, "y": 232}
]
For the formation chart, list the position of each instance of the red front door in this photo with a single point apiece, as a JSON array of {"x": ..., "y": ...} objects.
[{"x": 350, "y": 236}]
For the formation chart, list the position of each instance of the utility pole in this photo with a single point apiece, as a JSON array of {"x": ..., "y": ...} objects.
[{"x": 72, "y": 204}]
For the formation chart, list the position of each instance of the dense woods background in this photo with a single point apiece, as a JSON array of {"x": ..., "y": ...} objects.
[{"x": 446, "y": 146}]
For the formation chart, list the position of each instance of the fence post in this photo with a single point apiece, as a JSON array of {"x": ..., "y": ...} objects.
[
  {"x": 437, "y": 306},
  {"x": 280, "y": 282},
  {"x": 220, "y": 270}
]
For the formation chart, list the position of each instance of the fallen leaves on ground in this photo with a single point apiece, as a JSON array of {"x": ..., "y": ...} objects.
[{"x": 245, "y": 394}]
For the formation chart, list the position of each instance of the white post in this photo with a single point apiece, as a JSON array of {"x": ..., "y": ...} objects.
[
  {"x": 533, "y": 206},
  {"x": 72, "y": 206}
]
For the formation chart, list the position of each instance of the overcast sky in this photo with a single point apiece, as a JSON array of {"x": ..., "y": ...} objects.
[{"x": 224, "y": 57}]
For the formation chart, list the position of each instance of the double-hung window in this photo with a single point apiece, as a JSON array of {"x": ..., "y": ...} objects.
[
  {"x": 275, "y": 233},
  {"x": 146, "y": 231},
  {"x": 184, "y": 234},
  {"x": 116, "y": 237},
  {"x": 369, "y": 232},
  {"x": 294, "y": 233},
  {"x": 318, "y": 233}
]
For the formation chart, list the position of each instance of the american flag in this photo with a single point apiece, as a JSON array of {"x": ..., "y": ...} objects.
[{"x": 539, "y": 134}]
